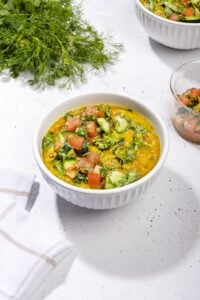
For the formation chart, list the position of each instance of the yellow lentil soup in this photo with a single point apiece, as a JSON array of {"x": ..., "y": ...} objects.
[{"x": 101, "y": 147}]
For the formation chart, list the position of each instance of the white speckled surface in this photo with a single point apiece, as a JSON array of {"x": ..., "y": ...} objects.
[{"x": 146, "y": 251}]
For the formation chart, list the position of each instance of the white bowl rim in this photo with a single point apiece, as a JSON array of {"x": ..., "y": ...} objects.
[
  {"x": 167, "y": 21},
  {"x": 125, "y": 188}
]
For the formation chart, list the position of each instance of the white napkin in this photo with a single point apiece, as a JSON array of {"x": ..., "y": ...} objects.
[{"x": 29, "y": 251}]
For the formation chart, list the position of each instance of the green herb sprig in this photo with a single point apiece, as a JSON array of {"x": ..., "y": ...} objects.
[{"x": 51, "y": 40}]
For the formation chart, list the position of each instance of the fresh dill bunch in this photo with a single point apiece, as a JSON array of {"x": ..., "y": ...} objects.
[{"x": 51, "y": 40}]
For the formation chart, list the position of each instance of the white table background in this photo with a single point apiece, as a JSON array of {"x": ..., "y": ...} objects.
[{"x": 149, "y": 250}]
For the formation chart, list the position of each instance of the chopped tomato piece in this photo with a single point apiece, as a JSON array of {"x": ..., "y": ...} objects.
[
  {"x": 189, "y": 12},
  {"x": 91, "y": 110},
  {"x": 73, "y": 123},
  {"x": 185, "y": 2},
  {"x": 94, "y": 180},
  {"x": 91, "y": 127},
  {"x": 174, "y": 17},
  {"x": 100, "y": 114},
  {"x": 93, "y": 157},
  {"x": 83, "y": 164},
  {"x": 194, "y": 93},
  {"x": 185, "y": 100},
  {"x": 75, "y": 141}
]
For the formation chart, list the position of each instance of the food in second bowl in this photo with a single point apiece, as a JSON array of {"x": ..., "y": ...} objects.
[
  {"x": 187, "y": 119},
  {"x": 101, "y": 147},
  {"x": 191, "y": 98},
  {"x": 176, "y": 10}
]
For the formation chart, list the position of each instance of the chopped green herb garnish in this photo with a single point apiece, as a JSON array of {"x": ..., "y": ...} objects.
[
  {"x": 113, "y": 150},
  {"x": 81, "y": 131},
  {"x": 124, "y": 154},
  {"x": 67, "y": 152},
  {"x": 48, "y": 140},
  {"x": 59, "y": 166},
  {"x": 80, "y": 177}
]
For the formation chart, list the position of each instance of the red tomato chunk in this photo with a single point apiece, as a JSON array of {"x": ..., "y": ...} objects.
[
  {"x": 91, "y": 110},
  {"x": 93, "y": 158},
  {"x": 83, "y": 164},
  {"x": 94, "y": 180},
  {"x": 194, "y": 93},
  {"x": 73, "y": 123},
  {"x": 75, "y": 141},
  {"x": 91, "y": 128}
]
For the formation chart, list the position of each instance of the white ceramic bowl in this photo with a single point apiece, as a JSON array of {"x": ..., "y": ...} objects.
[
  {"x": 100, "y": 199},
  {"x": 178, "y": 35}
]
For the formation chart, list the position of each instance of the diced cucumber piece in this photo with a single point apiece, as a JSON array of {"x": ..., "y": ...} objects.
[
  {"x": 193, "y": 18},
  {"x": 70, "y": 154},
  {"x": 175, "y": 7},
  {"x": 168, "y": 12},
  {"x": 60, "y": 138},
  {"x": 48, "y": 141},
  {"x": 104, "y": 124},
  {"x": 120, "y": 124},
  {"x": 152, "y": 4},
  {"x": 115, "y": 179},
  {"x": 69, "y": 163},
  {"x": 132, "y": 176},
  {"x": 194, "y": 2},
  {"x": 59, "y": 166},
  {"x": 66, "y": 152}
]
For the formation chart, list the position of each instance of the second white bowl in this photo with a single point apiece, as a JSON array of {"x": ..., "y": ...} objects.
[{"x": 178, "y": 35}]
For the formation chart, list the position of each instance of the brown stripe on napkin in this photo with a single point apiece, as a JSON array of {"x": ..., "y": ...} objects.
[
  {"x": 9, "y": 238},
  {"x": 14, "y": 192},
  {"x": 32, "y": 270},
  {"x": 6, "y": 211}
]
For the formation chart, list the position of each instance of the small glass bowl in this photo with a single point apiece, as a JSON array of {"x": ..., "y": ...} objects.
[{"x": 185, "y": 120}]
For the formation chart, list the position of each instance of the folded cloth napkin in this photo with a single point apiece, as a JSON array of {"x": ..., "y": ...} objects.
[{"x": 29, "y": 251}]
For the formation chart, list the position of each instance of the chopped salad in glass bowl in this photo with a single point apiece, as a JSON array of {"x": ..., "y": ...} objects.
[{"x": 185, "y": 87}]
